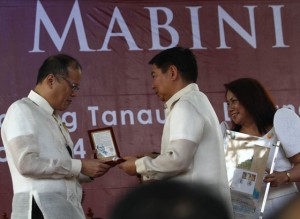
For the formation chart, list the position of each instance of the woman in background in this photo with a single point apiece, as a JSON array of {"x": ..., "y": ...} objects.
[{"x": 252, "y": 111}]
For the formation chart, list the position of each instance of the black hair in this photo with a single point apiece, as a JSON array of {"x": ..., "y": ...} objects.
[
  {"x": 57, "y": 65},
  {"x": 170, "y": 200},
  {"x": 182, "y": 58},
  {"x": 256, "y": 100}
]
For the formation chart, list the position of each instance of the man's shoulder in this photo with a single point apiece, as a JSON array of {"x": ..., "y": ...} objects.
[
  {"x": 20, "y": 104},
  {"x": 22, "y": 101},
  {"x": 194, "y": 97}
]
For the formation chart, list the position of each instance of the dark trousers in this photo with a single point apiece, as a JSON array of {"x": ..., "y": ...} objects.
[{"x": 35, "y": 211}]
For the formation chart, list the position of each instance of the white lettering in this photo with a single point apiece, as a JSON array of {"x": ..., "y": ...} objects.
[
  {"x": 144, "y": 116},
  {"x": 159, "y": 120},
  {"x": 156, "y": 45},
  {"x": 111, "y": 114},
  {"x": 125, "y": 32},
  {"x": 225, "y": 17},
  {"x": 278, "y": 26},
  {"x": 195, "y": 28},
  {"x": 41, "y": 16},
  {"x": 130, "y": 114},
  {"x": 2, "y": 159},
  {"x": 70, "y": 120},
  {"x": 289, "y": 106},
  {"x": 79, "y": 148},
  {"x": 171, "y": 36},
  {"x": 144, "y": 113},
  {"x": 93, "y": 110}
]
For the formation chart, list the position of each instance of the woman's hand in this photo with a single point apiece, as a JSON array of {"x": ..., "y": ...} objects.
[{"x": 277, "y": 178}]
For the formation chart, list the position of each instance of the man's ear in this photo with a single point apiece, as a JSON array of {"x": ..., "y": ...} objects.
[
  {"x": 173, "y": 72},
  {"x": 50, "y": 80}
]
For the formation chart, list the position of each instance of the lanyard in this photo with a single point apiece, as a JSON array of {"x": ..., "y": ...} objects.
[{"x": 62, "y": 128}]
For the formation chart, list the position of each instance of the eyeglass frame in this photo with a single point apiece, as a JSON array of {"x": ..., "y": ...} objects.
[{"x": 74, "y": 86}]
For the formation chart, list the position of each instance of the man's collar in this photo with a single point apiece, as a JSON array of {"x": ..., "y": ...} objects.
[
  {"x": 190, "y": 87},
  {"x": 40, "y": 101}
]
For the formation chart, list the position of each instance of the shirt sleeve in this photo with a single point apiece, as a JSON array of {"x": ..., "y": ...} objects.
[
  {"x": 25, "y": 154},
  {"x": 174, "y": 161},
  {"x": 286, "y": 125},
  {"x": 22, "y": 147},
  {"x": 186, "y": 122}
]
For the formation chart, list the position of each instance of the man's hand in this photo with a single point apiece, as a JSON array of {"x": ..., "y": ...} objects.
[
  {"x": 128, "y": 166},
  {"x": 153, "y": 155},
  {"x": 94, "y": 167}
]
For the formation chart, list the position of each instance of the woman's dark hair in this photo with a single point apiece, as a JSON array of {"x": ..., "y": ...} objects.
[{"x": 256, "y": 100}]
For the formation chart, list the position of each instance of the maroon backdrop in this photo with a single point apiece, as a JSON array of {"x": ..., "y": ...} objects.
[{"x": 114, "y": 40}]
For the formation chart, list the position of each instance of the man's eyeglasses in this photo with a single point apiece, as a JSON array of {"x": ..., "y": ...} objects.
[{"x": 73, "y": 86}]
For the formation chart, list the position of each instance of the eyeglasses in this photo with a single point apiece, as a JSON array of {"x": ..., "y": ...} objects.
[{"x": 73, "y": 86}]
